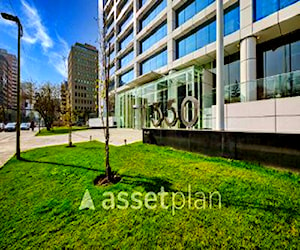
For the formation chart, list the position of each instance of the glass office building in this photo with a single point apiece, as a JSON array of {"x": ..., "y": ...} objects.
[{"x": 164, "y": 64}]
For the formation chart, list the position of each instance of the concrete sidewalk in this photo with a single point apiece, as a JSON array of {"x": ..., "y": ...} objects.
[{"x": 30, "y": 141}]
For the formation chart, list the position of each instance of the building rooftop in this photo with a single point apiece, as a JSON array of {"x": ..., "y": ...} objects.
[{"x": 86, "y": 46}]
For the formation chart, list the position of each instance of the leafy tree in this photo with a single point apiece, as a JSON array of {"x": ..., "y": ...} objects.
[
  {"x": 2, "y": 113},
  {"x": 47, "y": 104}
]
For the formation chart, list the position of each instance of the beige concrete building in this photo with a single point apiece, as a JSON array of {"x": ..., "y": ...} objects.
[
  {"x": 165, "y": 51},
  {"x": 82, "y": 78}
]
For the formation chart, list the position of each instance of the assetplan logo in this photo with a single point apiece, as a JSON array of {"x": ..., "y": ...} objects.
[{"x": 172, "y": 201}]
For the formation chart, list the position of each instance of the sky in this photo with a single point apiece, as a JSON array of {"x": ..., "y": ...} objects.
[{"x": 50, "y": 28}]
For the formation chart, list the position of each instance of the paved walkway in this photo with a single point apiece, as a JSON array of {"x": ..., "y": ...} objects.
[{"x": 29, "y": 141}]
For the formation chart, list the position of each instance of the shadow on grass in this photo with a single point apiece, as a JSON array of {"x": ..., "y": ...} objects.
[
  {"x": 60, "y": 164},
  {"x": 150, "y": 184},
  {"x": 265, "y": 207},
  {"x": 154, "y": 184}
]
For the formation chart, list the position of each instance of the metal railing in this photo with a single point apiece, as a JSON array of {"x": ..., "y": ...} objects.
[{"x": 277, "y": 86}]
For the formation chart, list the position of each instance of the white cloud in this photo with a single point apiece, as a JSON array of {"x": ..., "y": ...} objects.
[
  {"x": 34, "y": 31},
  {"x": 6, "y": 22},
  {"x": 59, "y": 58},
  {"x": 8, "y": 28}
]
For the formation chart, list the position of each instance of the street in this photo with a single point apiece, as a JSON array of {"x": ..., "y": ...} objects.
[{"x": 30, "y": 141}]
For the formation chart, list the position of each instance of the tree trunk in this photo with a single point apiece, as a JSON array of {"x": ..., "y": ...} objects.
[{"x": 108, "y": 169}]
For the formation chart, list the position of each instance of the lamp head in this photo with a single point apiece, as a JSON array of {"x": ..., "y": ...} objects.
[
  {"x": 13, "y": 19},
  {"x": 9, "y": 17}
]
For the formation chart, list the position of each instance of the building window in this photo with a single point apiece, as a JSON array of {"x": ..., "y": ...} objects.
[
  {"x": 111, "y": 39},
  {"x": 231, "y": 77},
  {"x": 159, "y": 33},
  {"x": 190, "y": 9},
  {"x": 126, "y": 59},
  {"x": 126, "y": 77},
  {"x": 142, "y": 3},
  {"x": 232, "y": 19},
  {"x": 283, "y": 59},
  {"x": 267, "y": 7},
  {"x": 122, "y": 5},
  {"x": 206, "y": 33},
  {"x": 109, "y": 26},
  {"x": 295, "y": 56},
  {"x": 112, "y": 55},
  {"x": 152, "y": 13},
  {"x": 111, "y": 85},
  {"x": 126, "y": 40},
  {"x": 124, "y": 23},
  {"x": 154, "y": 62},
  {"x": 279, "y": 69},
  {"x": 112, "y": 70}
]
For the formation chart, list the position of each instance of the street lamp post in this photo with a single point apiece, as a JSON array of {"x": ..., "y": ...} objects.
[{"x": 20, "y": 34}]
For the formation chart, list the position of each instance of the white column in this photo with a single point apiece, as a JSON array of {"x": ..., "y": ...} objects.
[
  {"x": 136, "y": 44},
  {"x": 171, "y": 26},
  {"x": 248, "y": 69},
  {"x": 220, "y": 66}
]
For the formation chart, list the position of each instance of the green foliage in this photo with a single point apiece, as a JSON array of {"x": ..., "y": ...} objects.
[
  {"x": 47, "y": 103},
  {"x": 59, "y": 130},
  {"x": 40, "y": 197}
]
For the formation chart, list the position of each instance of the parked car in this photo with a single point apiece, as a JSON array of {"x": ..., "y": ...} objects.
[
  {"x": 9, "y": 127},
  {"x": 25, "y": 126},
  {"x": 1, "y": 127}
]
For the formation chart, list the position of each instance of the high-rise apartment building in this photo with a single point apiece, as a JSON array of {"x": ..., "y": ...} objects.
[
  {"x": 163, "y": 63},
  {"x": 8, "y": 80},
  {"x": 82, "y": 78},
  {"x": 4, "y": 68}
]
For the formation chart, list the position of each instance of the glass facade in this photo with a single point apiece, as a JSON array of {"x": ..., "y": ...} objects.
[
  {"x": 125, "y": 22},
  {"x": 154, "y": 62},
  {"x": 152, "y": 13},
  {"x": 126, "y": 59},
  {"x": 179, "y": 96},
  {"x": 126, "y": 77},
  {"x": 267, "y": 7},
  {"x": 206, "y": 33},
  {"x": 187, "y": 98},
  {"x": 190, "y": 9},
  {"x": 159, "y": 33},
  {"x": 159, "y": 103},
  {"x": 126, "y": 40}
]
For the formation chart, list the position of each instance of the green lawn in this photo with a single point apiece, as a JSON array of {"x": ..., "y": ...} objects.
[
  {"x": 59, "y": 130},
  {"x": 40, "y": 198}
]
